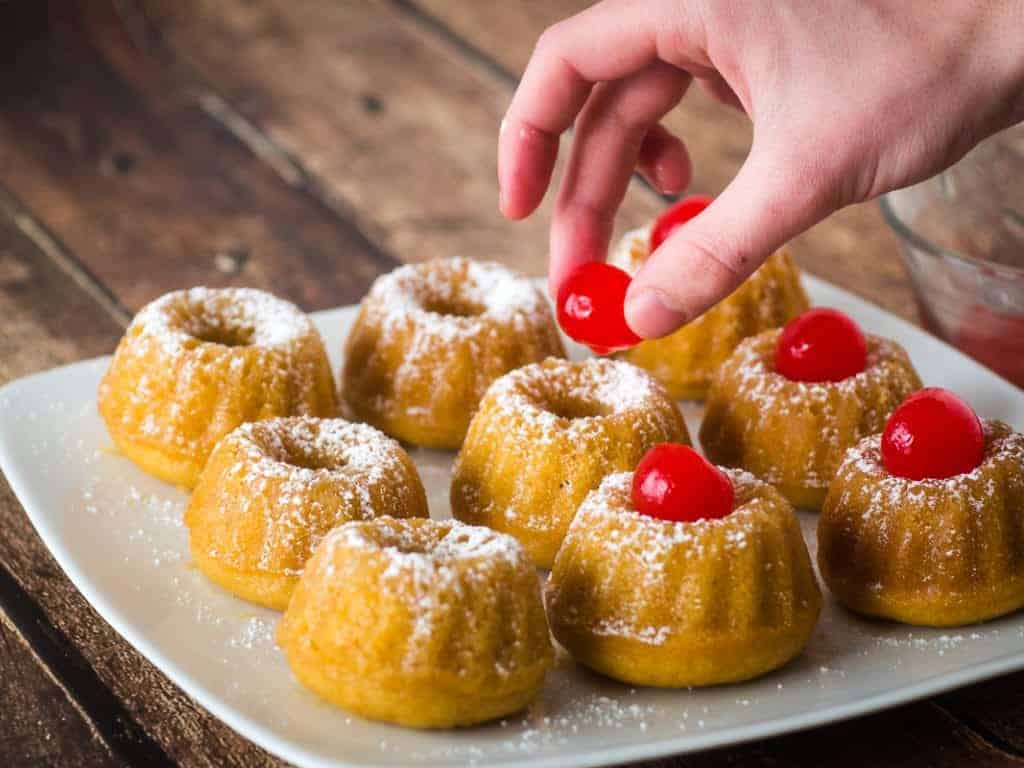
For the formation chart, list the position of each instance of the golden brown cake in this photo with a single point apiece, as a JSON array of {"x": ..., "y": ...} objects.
[
  {"x": 932, "y": 552},
  {"x": 684, "y": 361},
  {"x": 546, "y": 435},
  {"x": 430, "y": 338},
  {"x": 423, "y": 623},
  {"x": 195, "y": 364},
  {"x": 672, "y": 604},
  {"x": 794, "y": 434},
  {"x": 272, "y": 489}
]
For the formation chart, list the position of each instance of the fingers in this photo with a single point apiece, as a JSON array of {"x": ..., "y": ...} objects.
[
  {"x": 606, "y": 147},
  {"x": 719, "y": 89},
  {"x": 608, "y": 41},
  {"x": 664, "y": 161},
  {"x": 769, "y": 202}
]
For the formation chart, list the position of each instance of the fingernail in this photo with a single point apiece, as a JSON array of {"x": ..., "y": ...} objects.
[{"x": 651, "y": 315}]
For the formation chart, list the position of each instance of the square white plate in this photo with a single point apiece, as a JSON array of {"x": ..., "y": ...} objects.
[{"x": 119, "y": 536}]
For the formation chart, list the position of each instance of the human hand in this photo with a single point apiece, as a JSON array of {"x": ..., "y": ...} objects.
[{"x": 848, "y": 100}]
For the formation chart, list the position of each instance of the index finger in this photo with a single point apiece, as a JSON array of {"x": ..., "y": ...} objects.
[{"x": 608, "y": 41}]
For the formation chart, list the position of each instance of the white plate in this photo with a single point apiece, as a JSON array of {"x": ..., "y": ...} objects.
[{"x": 118, "y": 534}]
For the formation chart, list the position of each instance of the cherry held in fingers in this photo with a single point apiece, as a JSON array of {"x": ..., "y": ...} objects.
[
  {"x": 820, "y": 345},
  {"x": 590, "y": 308},
  {"x": 673, "y": 482},
  {"x": 676, "y": 216},
  {"x": 933, "y": 434}
]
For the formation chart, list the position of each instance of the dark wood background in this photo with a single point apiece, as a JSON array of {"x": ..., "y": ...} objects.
[{"x": 302, "y": 147}]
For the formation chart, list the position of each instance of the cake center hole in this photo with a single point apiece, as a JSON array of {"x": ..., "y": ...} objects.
[
  {"x": 225, "y": 336},
  {"x": 453, "y": 306},
  {"x": 576, "y": 408},
  {"x": 314, "y": 461}
]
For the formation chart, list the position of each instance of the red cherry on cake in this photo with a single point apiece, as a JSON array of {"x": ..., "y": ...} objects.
[
  {"x": 820, "y": 345},
  {"x": 933, "y": 434},
  {"x": 673, "y": 482},
  {"x": 675, "y": 216},
  {"x": 591, "y": 308}
]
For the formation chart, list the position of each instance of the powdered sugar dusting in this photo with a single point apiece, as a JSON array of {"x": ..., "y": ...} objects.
[
  {"x": 881, "y": 499},
  {"x": 281, "y": 464},
  {"x": 476, "y": 290},
  {"x": 770, "y": 401},
  {"x": 598, "y": 386},
  {"x": 432, "y": 337},
  {"x": 652, "y": 548},
  {"x": 189, "y": 360},
  {"x": 251, "y": 316},
  {"x": 428, "y": 562}
]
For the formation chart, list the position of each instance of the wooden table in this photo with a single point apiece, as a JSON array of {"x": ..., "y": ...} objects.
[{"x": 304, "y": 148}]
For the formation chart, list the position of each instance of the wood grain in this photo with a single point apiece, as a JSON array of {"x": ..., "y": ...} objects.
[
  {"x": 919, "y": 738},
  {"x": 39, "y": 724},
  {"x": 994, "y": 709},
  {"x": 48, "y": 320},
  {"x": 386, "y": 117},
  {"x": 853, "y": 248},
  {"x": 125, "y": 166}
]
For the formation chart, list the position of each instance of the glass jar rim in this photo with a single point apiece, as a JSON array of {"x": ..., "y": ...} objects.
[{"x": 919, "y": 241}]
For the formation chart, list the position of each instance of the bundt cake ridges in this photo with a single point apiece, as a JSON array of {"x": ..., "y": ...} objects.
[
  {"x": 195, "y": 364},
  {"x": 932, "y": 552},
  {"x": 430, "y": 338},
  {"x": 272, "y": 489},
  {"x": 741, "y": 587},
  {"x": 422, "y": 622},
  {"x": 685, "y": 360},
  {"x": 794, "y": 434},
  {"x": 546, "y": 434}
]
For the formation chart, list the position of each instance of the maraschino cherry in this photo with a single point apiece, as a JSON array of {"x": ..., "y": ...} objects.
[
  {"x": 933, "y": 434},
  {"x": 673, "y": 482},
  {"x": 820, "y": 345},
  {"x": 676, "y": 216},
  {"x": 591, "y": 308}
]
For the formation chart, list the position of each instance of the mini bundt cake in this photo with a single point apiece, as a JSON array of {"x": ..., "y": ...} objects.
[
  {"x": 195, "y": 364},
  {"x": 684, "y": 361},
  {"x": 792, "y": 433},
  {"x": 422, "y": 623},
  {"x": 272, "y": 489},
  {"x": 657, "y": 602},
  {"x": 546, "y": 435},
  {"x": 931, "y": 551},
  {"x": 430, "y": 338}
]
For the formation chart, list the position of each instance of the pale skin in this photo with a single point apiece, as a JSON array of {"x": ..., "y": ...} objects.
[{"x": 848, "y": 98}]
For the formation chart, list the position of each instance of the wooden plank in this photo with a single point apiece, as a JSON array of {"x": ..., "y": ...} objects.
[
  {"x": 854, "y": 248},
  {"x": 49, "y": 319},
  {"x": 994, "y": 709},
  {"x": 922, "y": 739},
  {"x": 39, "y": 724},
  {"x": 125, "y": 165},
  {"x": 389, "y": 120}
]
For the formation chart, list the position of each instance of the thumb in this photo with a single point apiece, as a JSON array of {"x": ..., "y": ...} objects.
[{"x": 766, "y": 204}]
